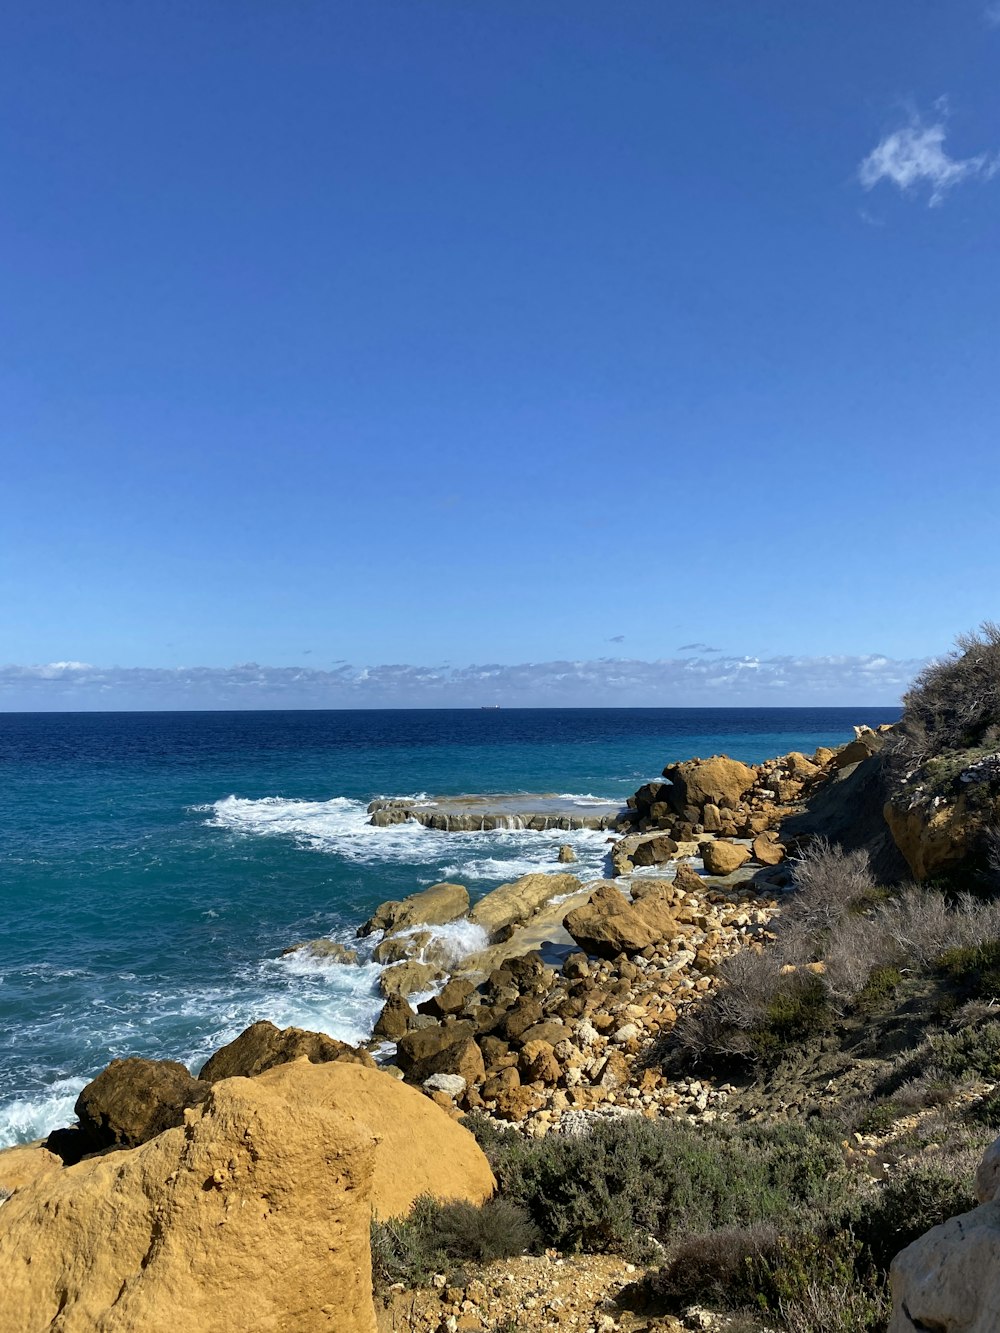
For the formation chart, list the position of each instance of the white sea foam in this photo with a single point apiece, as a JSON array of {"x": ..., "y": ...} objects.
[
  {"x": 29, "y": 1118},
  {"x": 448, "y": 943},
  {"x": 341, "y": 826}
]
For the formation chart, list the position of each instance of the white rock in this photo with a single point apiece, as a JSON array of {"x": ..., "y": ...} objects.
[
  {"x": 626, "y": 1033},
  {"x": 586, "y": 1033},
  {"x": 453, "y": 1084}
]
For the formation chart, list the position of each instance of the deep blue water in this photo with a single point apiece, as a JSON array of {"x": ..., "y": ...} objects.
[{"x": 153, "y": 865}]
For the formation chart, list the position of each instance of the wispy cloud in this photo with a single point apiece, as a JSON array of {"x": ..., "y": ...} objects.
[
  {"x": 697, "y": 648},
  {"x": 689, "y": 681},
  {"x": 914, "y": 157},
  {"x": 617, "y": 638},
  {"x": 992, "y": 14}
]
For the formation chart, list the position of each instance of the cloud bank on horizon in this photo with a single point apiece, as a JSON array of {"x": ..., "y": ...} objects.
[{"x": 720, "y": 681}]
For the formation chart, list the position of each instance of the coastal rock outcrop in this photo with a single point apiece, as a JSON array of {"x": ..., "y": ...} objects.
[
  {"x": 717, "y": 781},
  {"x": 255, "y": 1211},
  {"x": 262, "y": 1046},
  {"x": 935, "y": 839},
  {"x": 948, "y": 1281}
]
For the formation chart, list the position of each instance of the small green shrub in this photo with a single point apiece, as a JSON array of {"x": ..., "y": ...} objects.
[
  {"x": 878, "y": 991},
  {"x": 985, "y": 1111},
  {"x": 811, "y": 1279},
  {"x": 794, "y": 1014},
  {"x": 974, "y": 972},
  {"x": 632, "y": 1179},
  {"x": 972, "y": 1051},
  {"x": 879, "y": 1119},
  {"x": 436, "y": 1236},
  {"x": 909, "y": 1204},
  {"x": 729, "y": 1269},
  {"x": 954, "y": 703}
]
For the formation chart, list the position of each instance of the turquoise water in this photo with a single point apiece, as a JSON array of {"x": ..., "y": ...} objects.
[{"x": 153, "y": 866}]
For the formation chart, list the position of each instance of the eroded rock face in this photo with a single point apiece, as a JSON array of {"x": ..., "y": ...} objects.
[
  {"x": 255, "y": 1213},
  {"x": 934, "y": 841},
  {"x": 182, "y": 1232},
  {"x": 262, "y": 1046}
]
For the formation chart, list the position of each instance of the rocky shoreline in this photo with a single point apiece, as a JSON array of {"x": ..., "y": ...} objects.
[
  {"x": 549, "y": 1007},
  {"x": 552, "y": 1015}
]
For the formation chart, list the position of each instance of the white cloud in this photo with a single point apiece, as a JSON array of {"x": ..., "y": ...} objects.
[
  {"x": 992, "y": 14},
  {"x": 688, "y": 681},
  {"x": 915, "y": 156}
]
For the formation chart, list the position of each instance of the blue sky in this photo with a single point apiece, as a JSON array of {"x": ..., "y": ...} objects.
[{"x": 518, "y": 333}]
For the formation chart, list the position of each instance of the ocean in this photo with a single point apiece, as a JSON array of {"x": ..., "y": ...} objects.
[{"x": 154, "y": 865}]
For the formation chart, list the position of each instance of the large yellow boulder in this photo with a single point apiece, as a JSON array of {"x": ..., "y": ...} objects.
[
  {"x": 717, "y": 781},
  {"x": 253, "y": 1214},
  {"x": 722, "y": 857}
]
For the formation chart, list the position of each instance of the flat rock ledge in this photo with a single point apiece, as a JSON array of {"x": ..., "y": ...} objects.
[{"x": 484, "y": 814}]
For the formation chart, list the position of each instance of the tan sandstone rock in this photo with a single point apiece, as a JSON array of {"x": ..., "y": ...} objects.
[
  {"x": 255, "y": 1214},
  {"x": 513, "y": 904},
  {"x": 430, "y": 907},
  {"x": 22, "y": 1165},
  {"x": 263, "y": 1046},
  {"x": 609, "y": 924},
  {"x": 722, "y": 858},
  {"x": 405, "y": 978},
  {"x": 717, "y": 781},
  {"x": 934, "y": 840},
  {"x": 768, "y": 850}
]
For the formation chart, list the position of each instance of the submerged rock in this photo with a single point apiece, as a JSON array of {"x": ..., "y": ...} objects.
[
  {"x": 405, "y": 978},
  {"x": 332, "y": 950}
]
